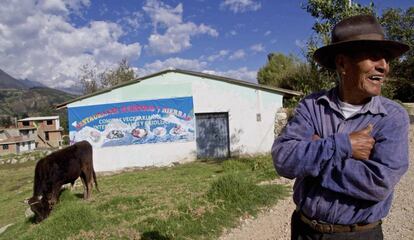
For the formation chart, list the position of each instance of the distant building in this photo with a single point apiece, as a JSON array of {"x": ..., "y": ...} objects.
[
  {"x": 14, "y": 140},
  {"x": 49, "y": 132}
]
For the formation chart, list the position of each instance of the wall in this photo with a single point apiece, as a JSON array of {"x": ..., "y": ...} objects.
[
  {"x": 247, "y": 135},
  {"x": 11, "y": 149},
  {"x": 140, "y": 155},
  {"x": 55, "y": 138},
  {"x": 26, "y": 146}
]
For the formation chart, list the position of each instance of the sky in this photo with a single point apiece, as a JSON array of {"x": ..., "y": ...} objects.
[{"x": 50, "y": 40}]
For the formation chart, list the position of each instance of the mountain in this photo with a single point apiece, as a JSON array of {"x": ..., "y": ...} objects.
[
  {"x": 75, "y": 90},
  {"x": 35, "y": 101},
  {"x": 22, "y": 98},
  {"x": 32, "y": 84},
  {"x": 8, "y": 82}
]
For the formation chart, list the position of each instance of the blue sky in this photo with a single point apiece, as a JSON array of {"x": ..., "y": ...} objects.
[{"x": 49, "y": 40}]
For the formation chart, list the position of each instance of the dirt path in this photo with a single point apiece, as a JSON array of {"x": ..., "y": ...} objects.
[{"x": 274, "y": 223}]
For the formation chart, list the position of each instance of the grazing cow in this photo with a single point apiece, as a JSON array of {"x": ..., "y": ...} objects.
[{"x": 59, "y": 168}]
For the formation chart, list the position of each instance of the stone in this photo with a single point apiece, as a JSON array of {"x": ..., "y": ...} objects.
[
  {"x": 3, "y": 229},
  {"x": 28, "y": 213}
]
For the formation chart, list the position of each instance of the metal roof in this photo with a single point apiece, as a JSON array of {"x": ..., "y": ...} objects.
[
  {"x": 284, "y": 92},
  {"x": 38, "y": 118}
]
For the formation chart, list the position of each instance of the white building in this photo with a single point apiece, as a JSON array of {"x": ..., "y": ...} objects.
[{"x": 175, "y": 116}]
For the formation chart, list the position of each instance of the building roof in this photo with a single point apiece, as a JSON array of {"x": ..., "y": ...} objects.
[
  {"x": 17, "y": 139},
  {"x": 38, "y": 118},
  {"x": 284, "y": 92},
  {"x": 27, "y": 128}
]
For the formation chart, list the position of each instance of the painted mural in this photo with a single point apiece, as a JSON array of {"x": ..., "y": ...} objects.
[{"x": 138, "y": 122}]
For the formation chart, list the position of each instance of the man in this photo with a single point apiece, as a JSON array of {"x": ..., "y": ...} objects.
[{"x": 346, "y": 147}]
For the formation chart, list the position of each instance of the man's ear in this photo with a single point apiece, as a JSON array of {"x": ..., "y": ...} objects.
[{"x": 340, "y": 63}]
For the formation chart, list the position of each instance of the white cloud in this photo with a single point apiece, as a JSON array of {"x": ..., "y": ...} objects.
[
  {"x": 218, "y": 56},
  {"x": 163, "y": 14},
  {"x": 177, "y": 34},
  {"x": 239, "y": 54},
  {"x": 242, "y": 73},
  {"x": 178, "y": 63},
  {"x": 63, "y": 6},
  {"x": 267, "y": 33},
  {"x": 257, "y": 48},
  {"x": 132, "y": 21},
  {"x": 38, "y": 42},
  {"x": 240, "y": 6}
]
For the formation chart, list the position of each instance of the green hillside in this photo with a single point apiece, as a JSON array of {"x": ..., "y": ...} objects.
[{"x": 38, "y": 101}]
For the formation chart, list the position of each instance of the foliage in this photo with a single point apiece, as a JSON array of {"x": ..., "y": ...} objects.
[
  {"x": 327, "y": 13},
  {"x": 5, "y": 121},
  {"x": 287, "y": 72},
  {"x": 290, "y": 73},
  {"x": 92, "y": 80},
  {"x": 123, "y": 73},
  {"x": 33, "y": 102},
  {"x": 277, "y": 69},
  {"x": 189, "y": 201},
  {"x": 89, "y": 78},
  {"x": 398, "y": 26},
  {"x": 309, "y": 77}
]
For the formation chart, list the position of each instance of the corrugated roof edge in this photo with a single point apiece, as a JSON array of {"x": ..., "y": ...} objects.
[
  {"x": 285, "y": 92},
  {"x": 38, "y": 118}
]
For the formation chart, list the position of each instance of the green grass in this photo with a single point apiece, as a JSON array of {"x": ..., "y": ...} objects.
[{"x": 190, "y": 201}]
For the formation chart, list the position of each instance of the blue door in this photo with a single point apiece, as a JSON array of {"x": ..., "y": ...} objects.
[{"x": 212, "y": 135}]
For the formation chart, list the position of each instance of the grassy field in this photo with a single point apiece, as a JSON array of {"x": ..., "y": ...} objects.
[{"x": 190, "y": 201}]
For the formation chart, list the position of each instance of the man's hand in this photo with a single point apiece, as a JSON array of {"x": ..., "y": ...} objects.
[{"x": 362, "y": 143}]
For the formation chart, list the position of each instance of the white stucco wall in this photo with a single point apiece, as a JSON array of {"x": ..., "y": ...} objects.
[
  {"x": 27, "y": 146},
  {"x": 247, "y": 136}
]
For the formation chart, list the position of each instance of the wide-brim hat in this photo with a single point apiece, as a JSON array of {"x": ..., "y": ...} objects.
[{"x": 361, "y": 31}]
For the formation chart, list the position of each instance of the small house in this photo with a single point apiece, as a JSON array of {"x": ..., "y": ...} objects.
[
  {"x": 48, "y": 130},
  {"x": 175, "y": 116}
]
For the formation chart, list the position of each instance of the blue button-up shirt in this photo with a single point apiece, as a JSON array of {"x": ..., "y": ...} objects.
[{"x": 330, "y": 185}]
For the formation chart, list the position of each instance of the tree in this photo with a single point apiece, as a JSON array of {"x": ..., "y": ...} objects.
[
  {"x": 89, "y": 79},
  {"x": 288, "y": 72},
  {"x": 123, "y": 73},
  {"x": 399, "y": 26},
  {"x": 5, "y": 121},
  {"x": 276, "y": 71},
  {"x": 328, "y": 13},
  {"x": 93, "y": 81}
]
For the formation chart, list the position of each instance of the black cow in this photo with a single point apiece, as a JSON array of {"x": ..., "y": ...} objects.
[{"x": 59, "y": 168}]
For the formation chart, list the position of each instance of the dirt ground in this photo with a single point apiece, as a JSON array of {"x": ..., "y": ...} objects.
[{"x": 274, "y": 223}]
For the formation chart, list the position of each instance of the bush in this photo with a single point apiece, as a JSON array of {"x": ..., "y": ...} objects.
[{"x": 232, "y": 188}]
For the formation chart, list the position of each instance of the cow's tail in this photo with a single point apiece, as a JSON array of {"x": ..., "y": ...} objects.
[{"x": 96, "y": 182}]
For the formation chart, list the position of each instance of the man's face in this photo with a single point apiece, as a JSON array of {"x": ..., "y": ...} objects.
[{"x": 363, "y": 72}]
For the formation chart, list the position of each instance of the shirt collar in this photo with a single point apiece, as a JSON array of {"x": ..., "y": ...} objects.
[{"x": 374, "y": 106}]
